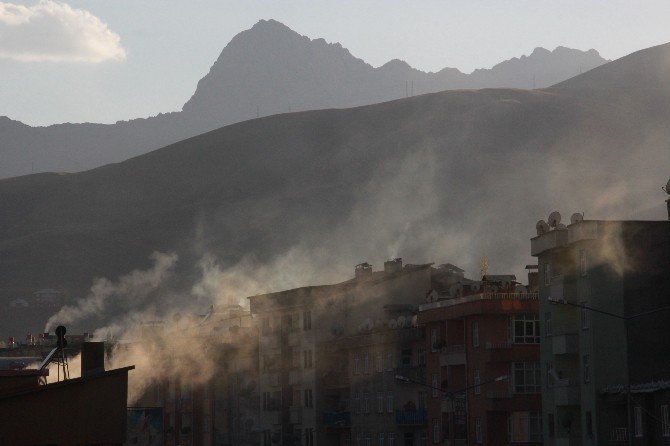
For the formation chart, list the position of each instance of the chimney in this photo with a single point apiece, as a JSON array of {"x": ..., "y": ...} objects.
[
  {"x": 92, "y": 358},
  {"x": 363, "y": 271},
  {"x": 393, "y": 266}
]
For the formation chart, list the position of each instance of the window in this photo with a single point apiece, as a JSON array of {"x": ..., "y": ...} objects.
[
  {"x": 357, "y": 364},
  {"x": 307, "y": 320},
  {"x": 550, "y": 425},
  {"x": 421, "y": 354},
  {"x": 526, "y": 329},
  {"x": 357, "y": 402},
  {"x": 366, "y": 402},
  {"x": 587, "y": 369},
  {"x": 295, "y": 357},
  {"x": 475, "y": 334},
  {"x": 366, "y": 363},
  {"x": 550, "y": 374},
  {"x": 434, "y": 384},
  {"x": 295, "y": 321},
  {"x": 389, "y": 405},
  {"x": 637, "y": 411},
  {"x": 406, "y": 357},
  {"x": 433, "y": 339},
  {"x": 391, "y": 439},
  {"x": 585, "y": 316},
  {"x": 296, "y": 397},
  {"x": 525, "y": 427},
  {"x": 380, "y": 362},
  {"x": 665, "y": 420},
  {"x": 589, "y": 424},
  {"x": 267, "y": 438},
  {"x": 547, "y": 324},
  {"x": 547, "y": 274},
  {"x": 583, "y": 263},
  {"x": 309, "y": 436},
  {"x": 422, "y": 399},
  {"x": 423, "y": 439},
  {"x": 381, "y": 439},
  {"x": 389, "y": 361},
  {"x": 436, "y": 430},
  {"x": 527, "y": 377},
  {"x": 477, "y": 381},
  {"x": 380, "y": 402},
  {"x": 478, "y": 430},
  {"x": 309, "y": 402},
  {"x": 308, "y": 359},
  {"x": 368, "y": 439}
]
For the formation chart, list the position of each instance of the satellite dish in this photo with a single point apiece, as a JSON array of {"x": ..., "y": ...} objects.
[
  {"x": 554, "y": 219},
  {"x": 393, "y": 324},
  {"x": 576, "y": 218},
  {"x": 541, "y": 227},
  {"x": 401, "y": 321}
]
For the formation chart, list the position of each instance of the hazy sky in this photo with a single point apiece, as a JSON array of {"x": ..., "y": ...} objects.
[{"x": 106, "y": 60}]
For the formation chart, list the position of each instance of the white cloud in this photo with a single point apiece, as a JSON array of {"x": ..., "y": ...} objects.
[{"x": 55, "y": 32}]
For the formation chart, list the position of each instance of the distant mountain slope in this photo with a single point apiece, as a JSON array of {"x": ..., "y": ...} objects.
[
  {"x": 299, "y": 198},
  {"x": 266, "y": 70},
  {"x": 644, "y": 69}
]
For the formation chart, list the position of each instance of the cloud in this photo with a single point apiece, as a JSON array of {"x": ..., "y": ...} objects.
[{"x": 55, "y": 32}]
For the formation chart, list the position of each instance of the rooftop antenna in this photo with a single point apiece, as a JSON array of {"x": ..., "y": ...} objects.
[{"x": 58, "y": 355}]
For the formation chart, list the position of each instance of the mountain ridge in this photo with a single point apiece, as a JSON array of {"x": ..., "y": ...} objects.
[{"x": 265, "y": 70}]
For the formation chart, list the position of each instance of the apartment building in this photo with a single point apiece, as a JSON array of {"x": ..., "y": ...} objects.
[
  {"x": 603, "y": 288},
  {"x": 482, "y": 344},
  {"x": 225, "y": 409},
  {"x": 309, "y": 391},
  {"x": 384, "y": 399}
]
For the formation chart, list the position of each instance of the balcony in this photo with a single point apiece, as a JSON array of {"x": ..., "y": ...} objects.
[
  {"x": 414, "y": 373},
  {"x": 410, "y": 417},
  {"x": 452, "y": 355},
  {"x": 549, "y": 240},
  {"x": 566, "y": 393},
  {"x": 295, "y": 415},
  {"x": 337, "y": 420},
  {"x": 499, "y": 351},
  {"x": 565, "y": 344},
  {"x": 294, "y": 338},
  {"x": 295, "y": 377},
  {"x": 619, "y": 435},
  {"x": 270, "y": 342}
]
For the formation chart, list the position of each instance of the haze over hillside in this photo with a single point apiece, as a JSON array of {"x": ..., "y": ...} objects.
[
  {"x": 266, "y": 70},
  {"x": 300, "y": 198}
]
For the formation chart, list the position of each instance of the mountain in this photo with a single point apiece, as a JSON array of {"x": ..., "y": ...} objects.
[
  {"x": 299, "y": 198},
  {"x": 266, "y": 70}
]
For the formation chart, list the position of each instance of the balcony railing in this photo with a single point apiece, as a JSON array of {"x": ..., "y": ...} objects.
[
  {"x": 619, "y": 434},
  {"x": 498, "y": 345},
  {"x": 480, "y": 297},
  {"x": 410, "y": 417},
  {"x": 337, "y": 419},
  {"x": 499, "y": 394}
]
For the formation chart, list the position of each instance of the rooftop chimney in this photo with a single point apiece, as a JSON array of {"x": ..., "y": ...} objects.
[
  {"x": 92, "y": 358},
  {"x": 393, "y": 266},
  {"x": 363, "y": 271}
]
